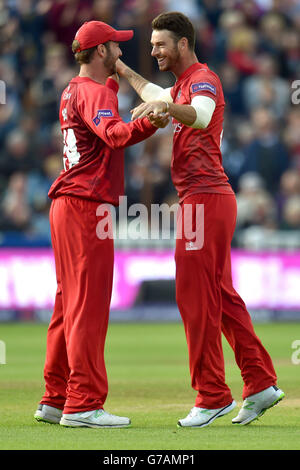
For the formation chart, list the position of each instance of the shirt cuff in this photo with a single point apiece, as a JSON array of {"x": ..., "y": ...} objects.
[{"x": 148, "y": 124}]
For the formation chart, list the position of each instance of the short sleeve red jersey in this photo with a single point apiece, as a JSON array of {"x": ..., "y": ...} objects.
[
  {"x": 197, "y": 160},
  {"x": 94, "y": 138}
]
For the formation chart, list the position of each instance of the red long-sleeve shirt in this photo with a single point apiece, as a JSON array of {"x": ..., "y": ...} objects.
[
  {"x": 94, "y": 140},
  {"x": 196, "y": 165}
]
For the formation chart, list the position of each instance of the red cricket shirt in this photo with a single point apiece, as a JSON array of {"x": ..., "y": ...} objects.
[
  {"x": 196, "y": 165},
  {"x": 94, "y": 140}
]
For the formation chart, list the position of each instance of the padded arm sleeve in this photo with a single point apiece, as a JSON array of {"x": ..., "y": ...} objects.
[
  {"x": 152, "y": 92},
  {"x": 204, "y": 107}
]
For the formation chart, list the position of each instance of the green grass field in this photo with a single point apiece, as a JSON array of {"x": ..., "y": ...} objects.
[{"x": 149, "y": 381}]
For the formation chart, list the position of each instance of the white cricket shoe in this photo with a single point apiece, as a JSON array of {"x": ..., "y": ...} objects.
[
  {"x": 48, "y": 414},
  {"x": 200, "y": 417},
  {"x": 256, "y": 405},
  {"x": 94, "y": 419}
]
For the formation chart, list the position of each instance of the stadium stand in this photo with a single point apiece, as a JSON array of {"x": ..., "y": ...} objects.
[{"x": 253, "y": 45}]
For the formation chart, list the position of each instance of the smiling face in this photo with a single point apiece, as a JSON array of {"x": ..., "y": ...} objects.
[{"x": 165, "y": 49}]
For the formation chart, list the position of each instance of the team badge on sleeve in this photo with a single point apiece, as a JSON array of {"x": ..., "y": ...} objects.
[
  {"x": 102, "y": 113},
  {"x": 204, "y": 86}
]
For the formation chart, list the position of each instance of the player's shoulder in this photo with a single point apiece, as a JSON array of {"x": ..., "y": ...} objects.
[
  {"x": 85, "y": 86},
  {"x": 203, "y": 72},
  {"x": 91, "y": 93},
  {"x": 204, "y": 80}
]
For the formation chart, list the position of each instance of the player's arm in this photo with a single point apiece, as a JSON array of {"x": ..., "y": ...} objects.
[
  {"x": 197, "y": 115},
  {"x": 100, "y": 113},
  {"x": 146, "y": 90}
]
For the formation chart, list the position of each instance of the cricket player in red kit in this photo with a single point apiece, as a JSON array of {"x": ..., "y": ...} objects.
[
  {"x": 207, "y": 301},
  {"x": 94, "y": 138}
]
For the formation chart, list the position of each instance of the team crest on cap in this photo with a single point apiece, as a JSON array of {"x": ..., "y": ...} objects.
[{"x": 102, "y": 113}]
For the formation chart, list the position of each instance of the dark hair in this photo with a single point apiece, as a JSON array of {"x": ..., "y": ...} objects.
[{"x": 178, "y": 24}]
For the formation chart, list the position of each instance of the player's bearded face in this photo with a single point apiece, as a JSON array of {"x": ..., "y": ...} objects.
[
  {"x": 165, "y": 50},
  {"x": 112, "y": 54}
]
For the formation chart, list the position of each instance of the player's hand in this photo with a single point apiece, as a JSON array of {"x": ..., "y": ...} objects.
[
  {"x": 120, "y": 66},
  {"x": 160, "y": 120},
  {"x": 155, "y": 108}
]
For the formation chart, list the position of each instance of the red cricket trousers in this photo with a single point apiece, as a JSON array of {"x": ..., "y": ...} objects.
[
  {"x": 209, "y": 305},
  {"x": 74, "y": 372}
]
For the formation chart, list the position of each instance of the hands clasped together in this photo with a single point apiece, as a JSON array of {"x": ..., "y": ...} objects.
[{"x": 156, "y": 111}]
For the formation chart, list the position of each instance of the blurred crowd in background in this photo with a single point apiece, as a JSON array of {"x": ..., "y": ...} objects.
[{"x": 254, "y": 46}]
